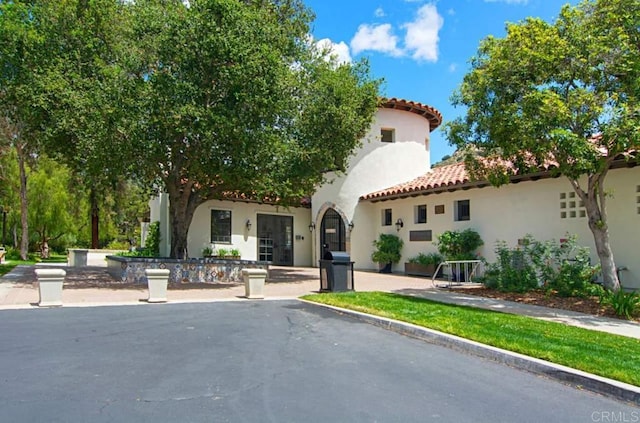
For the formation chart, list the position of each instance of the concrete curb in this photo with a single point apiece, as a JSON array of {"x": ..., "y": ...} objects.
[{"x": 577, "y": 378}]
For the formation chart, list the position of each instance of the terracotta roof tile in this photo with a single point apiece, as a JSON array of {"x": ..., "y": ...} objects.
[
  {"x": 430, "y": 113},
  {"x": 452, "y": 175}
]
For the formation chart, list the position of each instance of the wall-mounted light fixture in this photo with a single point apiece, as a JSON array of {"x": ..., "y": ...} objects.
[
  {"x": 351, "y": 225},
  {"x": 248, "y": 224},
  {"x": 399, "y": 224},
  {"x": 312, "y": 226}
]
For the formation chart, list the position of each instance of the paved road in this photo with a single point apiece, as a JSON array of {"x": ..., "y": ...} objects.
[{"x": 278, "y": 361}]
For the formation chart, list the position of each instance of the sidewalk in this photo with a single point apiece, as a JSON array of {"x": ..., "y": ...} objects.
[{"x": 94, "y": 287}]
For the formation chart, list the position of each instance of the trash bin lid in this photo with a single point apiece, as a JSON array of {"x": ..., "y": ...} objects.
[{"x": 338, "y": 256}]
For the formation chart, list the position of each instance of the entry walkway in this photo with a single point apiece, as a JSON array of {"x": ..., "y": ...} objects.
[{"x": 94, "y": 287}]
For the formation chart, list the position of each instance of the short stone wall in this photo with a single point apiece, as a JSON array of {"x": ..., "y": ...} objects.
[
  {"x": 197, "y": 270},
  {"x": 83, "y": 257}
]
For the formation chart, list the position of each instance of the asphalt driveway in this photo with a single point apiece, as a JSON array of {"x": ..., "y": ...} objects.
[{"x": 258, "y": 361}]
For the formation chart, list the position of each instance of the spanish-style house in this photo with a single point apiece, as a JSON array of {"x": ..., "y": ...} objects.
[{"x": 390, "y": 187}]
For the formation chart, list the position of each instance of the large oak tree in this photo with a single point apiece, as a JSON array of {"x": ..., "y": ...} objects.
[
  {"x": 565, "y": 94},
  {"x": 238, "y": 101}
]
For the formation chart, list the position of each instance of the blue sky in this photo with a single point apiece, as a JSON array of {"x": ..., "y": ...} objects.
[{"x": 420, "y": 47}]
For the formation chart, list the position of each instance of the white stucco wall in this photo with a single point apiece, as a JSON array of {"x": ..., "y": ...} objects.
[
  {"x": 510, "y": 212},
  {"x": 376, "y": 165},
  {"x": 246, "y": 241}
]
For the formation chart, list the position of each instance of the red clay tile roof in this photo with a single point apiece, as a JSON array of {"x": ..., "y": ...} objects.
[
  {"x": 430, "y": 113},
  {"x": 439, "y": 178}
]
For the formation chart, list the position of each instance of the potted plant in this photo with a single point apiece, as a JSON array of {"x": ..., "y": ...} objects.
[
  {"x": 388, "y": 247},
  {"x": 235, "y": 254},
  {"x": 222, "y": 253},
  {"x": 423, "y": 264},
  {"x": 207, "y": 252}
]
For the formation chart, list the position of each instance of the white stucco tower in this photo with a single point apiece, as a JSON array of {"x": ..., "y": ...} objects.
[{"x": 395, "y": 150}]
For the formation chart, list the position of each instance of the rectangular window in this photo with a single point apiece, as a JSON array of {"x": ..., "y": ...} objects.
[
  {"x": 462, "y": 210},
  {"x": 420, "y": 213},
  {"x": 439, "y": 209},
  {"x": 387, "y": 134},
  {"x": 386, "y": 217},
  {"x": 221, "y": 226}
]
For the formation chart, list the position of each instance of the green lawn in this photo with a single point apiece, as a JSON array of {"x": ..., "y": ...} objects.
[
  {"x": 10, "y": 264},
  {"x": 612, "y": 356}
]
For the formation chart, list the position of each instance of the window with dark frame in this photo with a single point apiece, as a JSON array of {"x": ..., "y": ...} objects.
[
  {"x": 463, "y": 210},
  {"x": 387, "y": 135},
  {"x": 221, "y": 226},
  {"x": 387, "y": 217},
  {"x": 439, "y": 209},
  {"x": 420, "y": 213}
]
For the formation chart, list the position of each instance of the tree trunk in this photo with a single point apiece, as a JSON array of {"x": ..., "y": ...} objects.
[
  {"x": 24, "y": 243},
  {"x": 95, "y": 220},
  {"x": 595, "y": 206},
  {"x": 183, "y": 201}
]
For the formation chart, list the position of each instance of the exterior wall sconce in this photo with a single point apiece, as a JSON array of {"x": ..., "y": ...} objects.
[
  {"x": 399, "y": 224},
  {"x": 312, "y": 226},
  {"x": 351, "y": 225},
  {"x": 248, "y": 224}
]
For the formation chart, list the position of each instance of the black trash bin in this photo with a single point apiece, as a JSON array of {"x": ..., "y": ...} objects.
[{"x": 336, "y": 272}]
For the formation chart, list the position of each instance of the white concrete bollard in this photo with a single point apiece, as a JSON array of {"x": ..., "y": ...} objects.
[
  {"x": 157, "y": 280},
  {"x": 50, "y": 286},
  {"x": 254, "y": 282}
]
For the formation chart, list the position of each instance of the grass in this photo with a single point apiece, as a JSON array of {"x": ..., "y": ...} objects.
[
  {"x": 10, "y": 264},
  {"x": 612, "y": 356}
]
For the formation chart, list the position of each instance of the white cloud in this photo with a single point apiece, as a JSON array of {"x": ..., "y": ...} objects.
[
  {"x": 453, "y": 67},
  {"x": 376, "y": 38},
  {"x": 338, "y": 51},
  {"x": 379, "y": 12},
  {"x": 422, "y": 34},
  {"x": 508, "y": 1}
]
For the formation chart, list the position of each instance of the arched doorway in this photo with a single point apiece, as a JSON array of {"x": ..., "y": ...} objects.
[{"x": 332, "y": 231}]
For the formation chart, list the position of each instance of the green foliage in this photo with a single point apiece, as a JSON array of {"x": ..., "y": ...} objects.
[
  {"x": 388, "y": 249},
  {"x": 234, "y": 252},
  {"x": 559, "y": 268},
  {"x": 152, "y": 244},
  {"x": 427, "y": 259},
  {"x": 222, "y": 252},
  {"x": 564, "y": 93},
  {"x": 207, "y": 252},
  {"x": 459, "y": 245},
  {"x": 514, "y": 270},
  {"x": 625, "y": 304},
  {"x": 565, "y": 267}
]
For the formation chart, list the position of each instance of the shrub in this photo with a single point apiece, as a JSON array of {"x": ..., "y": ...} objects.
[
  {"x": 514, "y": 270},
  {"x": 427, "y": 259},
  {"x": 388, "y": 247},
  {"x": 624, "y": 304},
  {"x": 222, "y": 252},
  {"x": 152, "y": 243},
  {"x": 459, "y": 245},
  {"x": 235, "y": 252},
  {"x": 565, "y": 267},
  {"x": 207, "y": 251},
  {"x": 560, "y": 268}
]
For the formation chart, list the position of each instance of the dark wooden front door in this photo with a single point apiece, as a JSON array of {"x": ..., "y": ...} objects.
[{"x": 275, "y": 239}]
